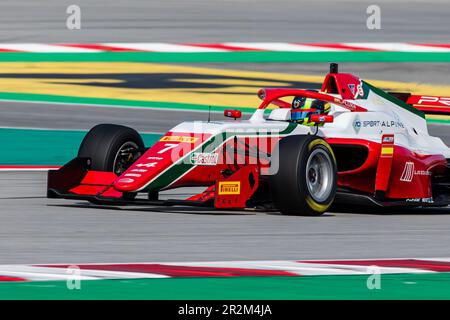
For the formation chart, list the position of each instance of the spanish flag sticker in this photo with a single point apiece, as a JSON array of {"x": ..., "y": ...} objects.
[{"x": 387, "y": 151}]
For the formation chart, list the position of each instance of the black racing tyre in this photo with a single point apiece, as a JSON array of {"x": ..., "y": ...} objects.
[
  {"x": 111, "y": 147},
  {"x": 306, "y": 180}
]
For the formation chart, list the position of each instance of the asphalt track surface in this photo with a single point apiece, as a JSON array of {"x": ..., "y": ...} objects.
[
  {"x": 220, "y": 21},
  {"x": 39, "y": 230}
]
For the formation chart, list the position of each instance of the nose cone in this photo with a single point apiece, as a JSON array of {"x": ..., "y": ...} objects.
[{"x": 162, "y": 164}]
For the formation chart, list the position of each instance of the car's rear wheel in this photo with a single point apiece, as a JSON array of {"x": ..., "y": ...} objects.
[
  {"x": 112, "y": 148},
  {"x": 306, "y": 180}
]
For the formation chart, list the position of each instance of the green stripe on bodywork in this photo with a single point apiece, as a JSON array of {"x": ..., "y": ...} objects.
[
  {"x": 44, "y": 147},
  {"x": 183, "y": 165},
  {"x": 393, "y": 286},
  {"x": 394, "y": 100},
  {"x": 251, "y": 57}
]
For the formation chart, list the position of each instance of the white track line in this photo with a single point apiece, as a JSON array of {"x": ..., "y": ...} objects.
[
  {"x": 40, "y": 48},
  {"x": 281, "y": 46},
  {"x": 162, "y": 47},
  {"x": 305, "y": 268},
  {"x": 401, "y": 47},
  {"x": 187, "y": 48}
]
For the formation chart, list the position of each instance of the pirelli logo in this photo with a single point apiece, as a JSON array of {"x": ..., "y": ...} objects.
[
  {"x": 179, "y": 139},
  {"x": 229, "y": 187}
]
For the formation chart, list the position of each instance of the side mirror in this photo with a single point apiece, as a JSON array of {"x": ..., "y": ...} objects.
[
  {"x": 321, "y": 118},
  {"x": 236, "y": 114}
]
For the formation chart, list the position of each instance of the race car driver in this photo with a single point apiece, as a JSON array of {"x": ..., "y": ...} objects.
[{"x": 303, "y": 108}]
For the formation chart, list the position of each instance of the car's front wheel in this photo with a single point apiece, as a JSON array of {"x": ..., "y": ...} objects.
[
  {"x": 111, "y": 147},
  {"x": 306, "y": 180}
]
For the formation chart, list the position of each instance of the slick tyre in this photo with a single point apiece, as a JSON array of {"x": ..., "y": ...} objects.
[
  {"x": 306, "y": 180},
  {"x": 111, "y": 147}
]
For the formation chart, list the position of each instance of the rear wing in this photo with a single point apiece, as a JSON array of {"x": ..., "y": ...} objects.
[{"x": 425, "y": 103}]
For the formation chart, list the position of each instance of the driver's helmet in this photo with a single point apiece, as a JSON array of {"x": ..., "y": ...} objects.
[{"x": 303, "y": 108}]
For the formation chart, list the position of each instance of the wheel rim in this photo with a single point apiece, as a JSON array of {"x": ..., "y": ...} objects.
[
  {"x": 319, "y": 175},
  {"x": 125, "y": 157}
]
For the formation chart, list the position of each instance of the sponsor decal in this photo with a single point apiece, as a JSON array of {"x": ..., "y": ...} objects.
[
  {"x": 409, "y": 172},
  {"x": 204, "y": 158},
  {"x": 359, "y": 91},
  {"x": 349, "y": 105},
  {"x": 388, "y": 139},
  {"x": 433, "y": 100},
  {"x": 351, "y": 86},
  {"x": 382, "y": 124},
  {"x": 427, "y": 200},
  {"x": 136, "y": 175},
  {"x": 146, "y": 165},
  {"x": 126, "y": 180},
  {"x": 179, "y": 139},
  {"x": 357, "y": 124},
  {"x": 420, "y": 200},
  {"x": 229, "y": 187},
  {"x": 346, "y": 104}
]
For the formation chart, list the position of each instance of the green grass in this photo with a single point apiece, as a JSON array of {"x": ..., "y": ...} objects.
[
  {"x": 399, "y": 286},
  {"x": 44, "y": 147},
  {"x": 231, "y": 57}
]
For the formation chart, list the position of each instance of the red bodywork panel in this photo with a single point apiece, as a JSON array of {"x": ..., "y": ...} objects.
[
  {"x": 342, "y": 83},
  {"x": 408, "y": 176},
  {"x": 430, "y": 104},
  {"x": 96, "y": 183},
  {"x": 411, "y": 174},
  {"x": 234, "y": 191},
  {"x": 384, "y": 166},
  {"x": 362, "y": 178}
]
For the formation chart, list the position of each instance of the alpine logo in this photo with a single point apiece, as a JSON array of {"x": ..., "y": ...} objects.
[{"x": 409, "y": 172}]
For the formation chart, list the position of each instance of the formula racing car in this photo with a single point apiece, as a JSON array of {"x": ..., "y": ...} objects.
[{"x": 299, "y": 152}]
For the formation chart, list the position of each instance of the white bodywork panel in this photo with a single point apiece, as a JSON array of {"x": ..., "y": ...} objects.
[{"x": 383, "y": 117}]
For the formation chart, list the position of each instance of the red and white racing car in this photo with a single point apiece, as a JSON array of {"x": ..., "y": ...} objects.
[{"x": 371, "y": 148}]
